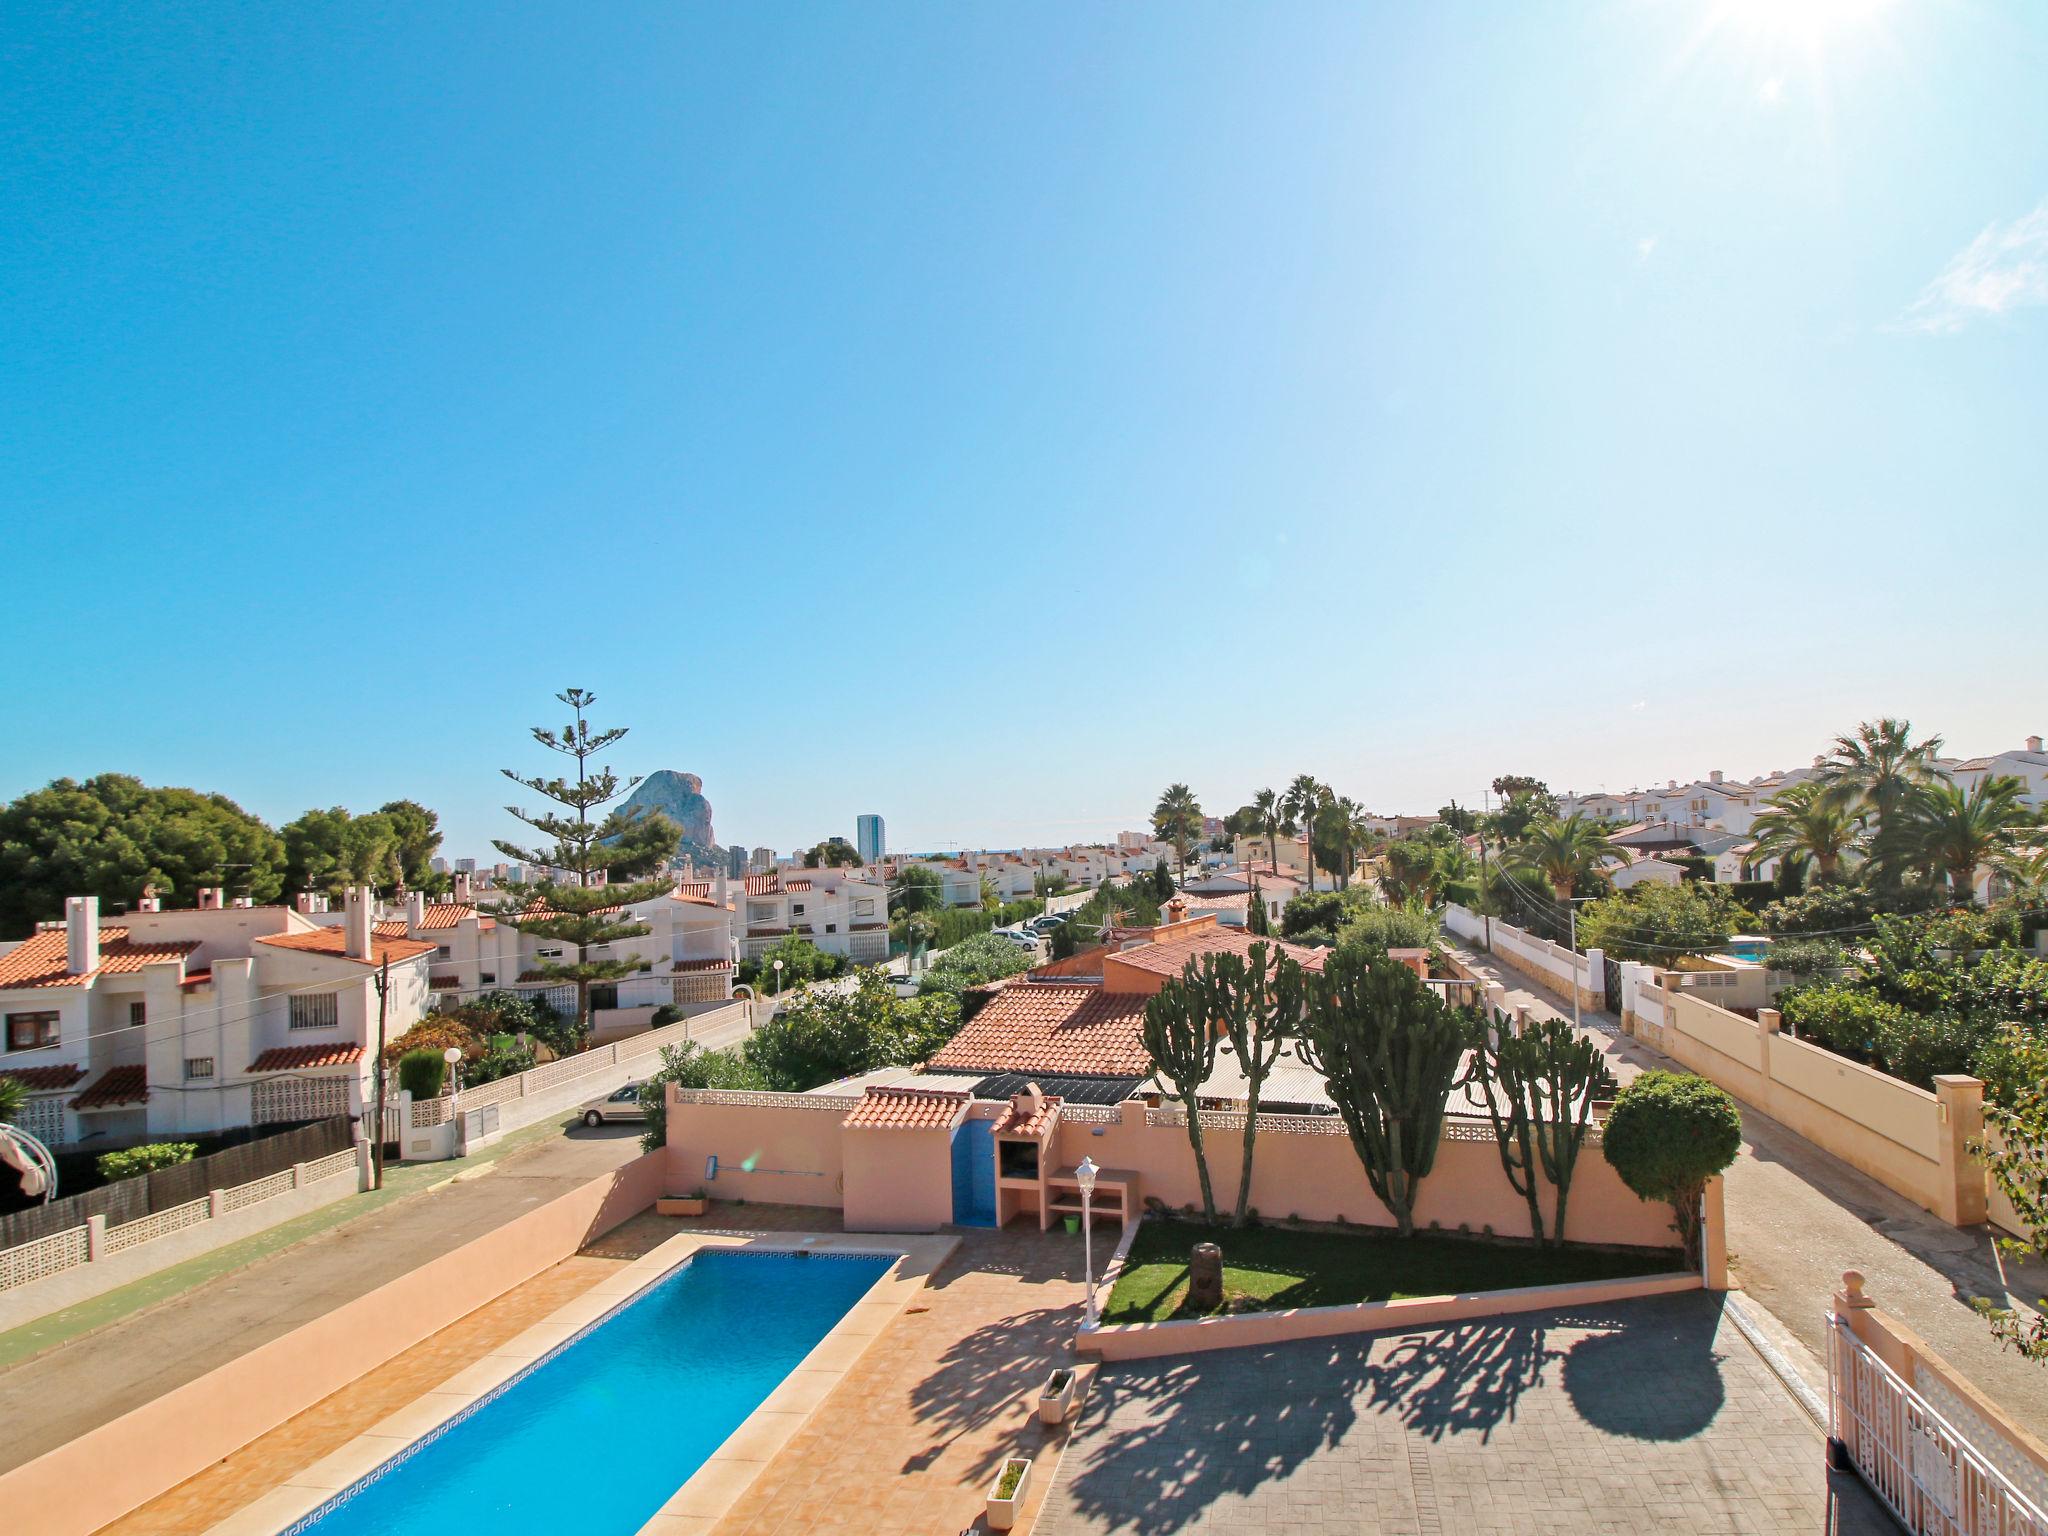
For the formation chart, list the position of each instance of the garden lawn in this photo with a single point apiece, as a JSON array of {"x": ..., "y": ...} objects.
[{"x": 1267, "y": 1269}]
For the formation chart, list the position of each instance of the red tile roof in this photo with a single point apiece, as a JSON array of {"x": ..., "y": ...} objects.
[
  {"x": 907, "y": 1109},
  {"x": 333, "y": 943},
  {"x": 1011, "y": 1123},
  {"x": 45, "y": 1079},
  {"x": 41, "y": 960},
  {"x": 1169, "y": 957},
  {"x": 298, "y": 1058},
  {"x": 116, "y": 1086},
  {"x": 703, "y": 965},
  {"x": 764, "y": 885},
  {"x": 390, "y": 930},
  {"x": 1059, "y": 1028},
  {"x": 447, "y": 914}
]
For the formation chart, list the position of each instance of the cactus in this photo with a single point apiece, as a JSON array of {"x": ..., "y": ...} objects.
[
  {"x": 1257, "y": 1003},
  {"x": 1183, "y": 1051},
  {"x": 1539, "y": 1086},
  {"x": 1389, "y": 1048}
]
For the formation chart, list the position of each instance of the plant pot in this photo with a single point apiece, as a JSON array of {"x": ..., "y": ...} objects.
[
  {"x": 680, "y": 1205},
  {"x": 1056, "y": 1397},
  {"x": 1073, "y": 1224},
  {"x": 1002, "y": 1510}
]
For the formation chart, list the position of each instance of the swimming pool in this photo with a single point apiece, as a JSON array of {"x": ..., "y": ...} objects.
[{"x": 597, "y": 1436}]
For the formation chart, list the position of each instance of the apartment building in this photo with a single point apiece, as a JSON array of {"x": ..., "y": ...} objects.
[
  {"x": 842, "y": 911},
  {"x": 162, "y": 1023}
]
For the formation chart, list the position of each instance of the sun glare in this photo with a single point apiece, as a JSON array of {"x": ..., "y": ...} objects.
[{"x": 1811, "y": 25}]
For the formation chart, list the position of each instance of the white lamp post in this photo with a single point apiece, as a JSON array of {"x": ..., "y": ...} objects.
[
  {"x": 1085, "y": 1177},
  {"x": 778, "y": 978},
  {"x": 453, "y": 1056}
]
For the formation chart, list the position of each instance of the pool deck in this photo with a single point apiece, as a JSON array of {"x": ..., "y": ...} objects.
[{"x": 731, "y": 1469}]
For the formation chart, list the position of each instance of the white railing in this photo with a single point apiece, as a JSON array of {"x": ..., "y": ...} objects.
[
  {"x": 50, "y": 1255},
  {"x": 67, "y": 1250},
  {"x": 1927, "y": 1473},
  {"x": 146, "y": 1229},
  {"x": 1092, "y": 1114}
]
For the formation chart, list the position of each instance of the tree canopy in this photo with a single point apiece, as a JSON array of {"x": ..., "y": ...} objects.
[{"x": 111, "y": 835}]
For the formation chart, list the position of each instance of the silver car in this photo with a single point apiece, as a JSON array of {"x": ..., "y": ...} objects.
[{"x": 619, "y": 1104}]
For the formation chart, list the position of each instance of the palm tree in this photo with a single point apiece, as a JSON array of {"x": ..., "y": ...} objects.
[
  {"x": 1954, "y": 831},
  {"x": 2027, "y": 870},
  {"x": 1878, "y": 769},
  {"x": 1178, "y": 819},
  {"x": 1806, "y": 821},
  {"x": 1266, "y": 806},
  {"x": 1565, "y": 854},
  {"x": 1408, "y": 869},
  {"x": 1345, "y": 831},
  {"x": 1304, "y": 797}
]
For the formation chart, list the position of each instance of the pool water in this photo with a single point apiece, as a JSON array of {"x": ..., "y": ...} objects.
[{"x": 601, "y": 1434}]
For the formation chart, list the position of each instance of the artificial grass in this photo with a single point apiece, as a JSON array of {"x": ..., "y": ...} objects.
[{"x": 1268, "y": 1268}]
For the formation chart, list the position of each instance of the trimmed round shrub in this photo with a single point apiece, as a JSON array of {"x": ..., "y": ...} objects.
[
  {"x": 421, "y": 1073},
  {"x": 1667, "y": 1134}
]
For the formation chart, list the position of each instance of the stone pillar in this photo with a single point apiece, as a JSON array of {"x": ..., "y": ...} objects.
[
  {"x": 95, "y": 1239},
  {"x": 366, "y": 1167},
  {"x": 1960, "y": 1100},
  {"x": 1714, "y": 1235},
  {"x": 216, "y": 1204},
  {"x": 298, "y": 1175},
  {"x": 1596, "y": 981}
]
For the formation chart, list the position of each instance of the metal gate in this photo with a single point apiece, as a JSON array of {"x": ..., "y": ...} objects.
[{"x": 1933, "y": 1479}]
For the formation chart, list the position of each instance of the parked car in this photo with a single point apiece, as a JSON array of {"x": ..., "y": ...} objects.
[
  {"x": 1018, "y": 937},
  {"x": 619, "y": 1104}
]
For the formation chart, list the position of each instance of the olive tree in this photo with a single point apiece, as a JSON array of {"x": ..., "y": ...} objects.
[
  {"x": 1539, "y": 1086},
  {"x": 1389, "y": 1048},
  {"x": 1668, "y": 1133}
]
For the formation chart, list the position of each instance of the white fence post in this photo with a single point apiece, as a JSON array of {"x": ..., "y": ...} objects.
[
  {"x": 216, "y": 1204},
  {"x": 366, "y": 1167},
  {"x": 95, "y": 1239},
  {"x": 298, "y": 1175}
]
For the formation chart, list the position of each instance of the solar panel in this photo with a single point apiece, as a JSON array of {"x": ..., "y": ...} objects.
[{"x": 1074, "y": 1090}]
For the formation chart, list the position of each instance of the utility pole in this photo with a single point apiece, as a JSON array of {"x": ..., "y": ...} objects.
[
  {"x": 1571, "y": 907},
  {"x": 383, "y": 1009},
  {"x": 1485, "y": 895}
]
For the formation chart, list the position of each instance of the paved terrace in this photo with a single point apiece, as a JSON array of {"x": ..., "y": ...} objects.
[
  {"x": 1798, "y": 1217},
  {"x": 1642, "y": 1416}
]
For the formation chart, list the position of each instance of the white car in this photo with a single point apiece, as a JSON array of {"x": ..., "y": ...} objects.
[{"x": 619, "y": 1104}]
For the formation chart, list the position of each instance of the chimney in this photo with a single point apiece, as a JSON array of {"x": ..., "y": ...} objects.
[
  {"x": 1176, "y": 911},
  {"x": 357, "y": 925},
  {"x": 212, "y": 898},
  {"x": 1714, "y": 777},
  {"x": 718, "y": 887},
  {"x": 2034, "y": 744},
  {"x": 462, "y": 885},
  {"x": 415, "y": 909},
  {"x": 151, "y": 902},
  {"x": 303, "y": 902},
  {"x": 1671, "y": 783},
  {"x": 245, "y": 902},
  {"x": 81, "y": 934}
]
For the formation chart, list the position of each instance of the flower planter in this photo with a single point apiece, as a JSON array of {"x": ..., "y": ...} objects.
[
  {"x": 1056, "y": 1397},
  {"x": 680, "y": 1205},
  {"x": 1003, "y": 1508}
]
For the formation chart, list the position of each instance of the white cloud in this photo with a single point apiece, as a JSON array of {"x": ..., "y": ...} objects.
[
  {"x": 1771, "y": 92},
  {"x": 1645, "y": 246},
  {"x": 2003, "y": 269}
]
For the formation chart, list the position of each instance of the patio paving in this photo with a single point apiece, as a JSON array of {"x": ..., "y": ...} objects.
[{"x": 1640, "y": 1416}]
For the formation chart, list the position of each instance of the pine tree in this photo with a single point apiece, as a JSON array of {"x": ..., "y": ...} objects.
[{"x": 573, "y": 905}]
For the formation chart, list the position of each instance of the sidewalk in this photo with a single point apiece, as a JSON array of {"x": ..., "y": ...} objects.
[{"x": 1798, "y": 1217}]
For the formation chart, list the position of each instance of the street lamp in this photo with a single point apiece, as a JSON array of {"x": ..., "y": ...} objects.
[
  {"x": 778, "y": 978},
  {"x": 453, "y": 1056},
  {"x": 1085, "y": 1177}
]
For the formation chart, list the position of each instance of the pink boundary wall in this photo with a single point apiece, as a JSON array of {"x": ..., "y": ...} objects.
[
  {"x": 1144, "y": 1341},
  {"x": 796, "y": 1150},
  {"x": 104, "y": 1474}
]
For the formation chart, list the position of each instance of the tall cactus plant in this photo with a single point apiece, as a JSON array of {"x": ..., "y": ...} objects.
[
  {"x": 1539, "y": 1086},
  {"x": 1181, "y": 1041},
  {"x": 1256, "y": 1003},
  {"x": 1389, "y": 1048}
]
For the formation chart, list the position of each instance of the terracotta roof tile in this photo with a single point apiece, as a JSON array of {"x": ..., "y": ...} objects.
[
  {"x": 703, "y": 965},
  {"x": 333, "y": 943},
  {"x": 447, "y": 914},
  {"x": 298, "y": 1058},
  {"x": 764, "y": 885},
  {"x": 45, "y": 1079},
  {"x": 1071, "y": 1029},
  {"x": 116, "y": 1086},
  {"x": 1011, "y": 1123},
  {"x": 1169, "y": 957},
  {"x": 41, "y": 960},
  {"x": 907, "y": 1109}
]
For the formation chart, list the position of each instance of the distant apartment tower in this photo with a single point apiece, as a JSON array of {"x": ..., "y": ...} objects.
[
  {"x": 466, "y": 866},
  {"x": 870, "y": 839},
  {"x": 736, "y": 861},
  {"x": 763, "y": 860}
]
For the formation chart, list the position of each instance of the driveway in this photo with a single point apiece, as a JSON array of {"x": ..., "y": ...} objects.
[
  {"x": 1798, "y": 1217},
  {"x": 1652, "y": 1415}
]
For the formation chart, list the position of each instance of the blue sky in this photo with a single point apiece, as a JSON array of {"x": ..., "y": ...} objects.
[{"x": 984, "y": 415}]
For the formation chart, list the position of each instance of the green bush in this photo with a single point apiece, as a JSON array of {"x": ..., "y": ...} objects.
[
  {"x": 1917, "y": 1048},
  {"x": 1658, "y": 923},
  {"x": 689, "y": 1065},
  {"x": 1844, "y": 1018},
  {"x": 1824, "y": 909},
  {"x": 132, "y": 1161},
  {"x": 1753, "y": 894},
  {"x": 1667, "y": 1134},
  {"x": 1390, "y": 928},
  {"x": 421, "y": 1074},
  {"x": 802, "y": 961},
  {"x": 2010, "y": 1061},
  {"x": 1807, "y": 957},
  {"x": 972, "y": 963},
  {"x": 824, "y": 1036}
]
